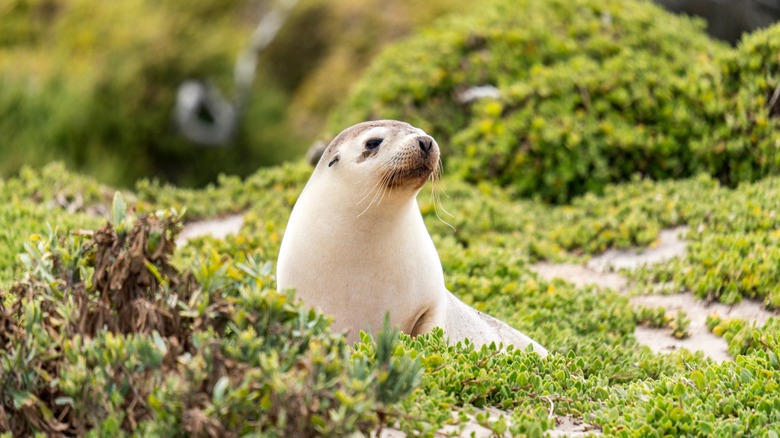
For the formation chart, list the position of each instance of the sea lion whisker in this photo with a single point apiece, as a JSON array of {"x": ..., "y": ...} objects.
[
  {"x": 380, "y": 170},
  {"x": 442, "y": 190},
  {"x": 384, "y": 191},
  {"x": 382, "y": 186},
  {"x": 437, "y": 205},
  {"x": 368, "y": 192},
  {"x": 377, "y": 190},
  {"x": 374, "y": 193},
  {"x": 439, "y": 172},
  {"x": 385, "y": 185}
]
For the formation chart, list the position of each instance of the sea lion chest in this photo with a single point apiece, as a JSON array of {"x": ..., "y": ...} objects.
[{"x": 357, "y": 268}]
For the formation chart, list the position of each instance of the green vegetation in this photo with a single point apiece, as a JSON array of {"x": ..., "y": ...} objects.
[
  {"x": 597, "y": 371},
  {"x": 93, "y": 84},
  {"x": 104, "y": 335},
  {"x": 745, "y": 135},
  {"x": 734, "y": 246},
  {"x": 591, "y": 93},
  {"x": 318, "y": 67},
  {"x": 657, "y": 318},
  {"x": 743, "y": 337},
  {"x": 106, "y": 328},
  {"x": 42, "y": 202}
]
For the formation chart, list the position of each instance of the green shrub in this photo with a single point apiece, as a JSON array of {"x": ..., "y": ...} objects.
[
  {"x": 591, "y": 92},
  {"x": 728, "y": 267},
  {"x": 728, "y": 399},
  {"x": 103, "y": 335},
  {"x": 733, "y": 245},
  {"x": 744, "y": 141},
  {"x": 342, "y": 37},
  {"x": 745, "y": 338},
  {"x": 93, "y": 84},
  {"x": 654, "y": 317},
  {"x": 39, "y": 202}
]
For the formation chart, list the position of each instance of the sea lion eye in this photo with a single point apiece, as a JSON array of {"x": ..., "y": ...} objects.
[{"x": 373, "y": 143}]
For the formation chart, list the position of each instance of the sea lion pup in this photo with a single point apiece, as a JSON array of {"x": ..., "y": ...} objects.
[{"x": 356, "y": 246}]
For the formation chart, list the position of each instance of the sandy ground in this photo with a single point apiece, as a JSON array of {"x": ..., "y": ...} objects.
[
  {"x": 566, "y": 426},
  {"x": 218, "y": 228},
  {"x": 599, "y": 271}
]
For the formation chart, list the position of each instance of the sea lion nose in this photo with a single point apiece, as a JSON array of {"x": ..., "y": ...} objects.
[{"x": 426, "y": 143}]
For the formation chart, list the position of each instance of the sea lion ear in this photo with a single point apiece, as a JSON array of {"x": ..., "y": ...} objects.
[
  {"x": 315, "y": 152},
  {"x": 333, "y": 161}
]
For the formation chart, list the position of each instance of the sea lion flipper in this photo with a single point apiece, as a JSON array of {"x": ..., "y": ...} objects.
[{"x": 464, "y": 322}]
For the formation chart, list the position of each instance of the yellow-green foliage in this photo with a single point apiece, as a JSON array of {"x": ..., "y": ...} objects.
[
  {"x": 591, "y": 92},
  {"x": 743, "y": 337},
  {"x": 597, "y": 371},
  {"x": 341, "y": 38},
  {"x": 59, "y": 200},
  {"x": 93, "y": 83},
  {"x": 733, "y": 252},
  {"x": 103, "y": 335},
  {"x": 744, "y": 141}
]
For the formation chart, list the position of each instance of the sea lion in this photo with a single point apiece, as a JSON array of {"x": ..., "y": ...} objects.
[{"x": 356, "y": 246}]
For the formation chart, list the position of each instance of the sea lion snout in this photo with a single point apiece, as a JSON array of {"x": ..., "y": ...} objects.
[{"x": 426, "y": 143}]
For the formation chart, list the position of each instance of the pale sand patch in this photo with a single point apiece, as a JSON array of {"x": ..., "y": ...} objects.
[
  {"x": 700, "y": 339},
  {"x": 599, "y": 272},
  {"x": 565, "y": 426},
  {"x": 668, "y": 246},
  {"x": 581, "y": 276},
  {"x": 217, "y": 228}
]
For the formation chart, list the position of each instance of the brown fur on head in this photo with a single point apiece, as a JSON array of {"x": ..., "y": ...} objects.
[{"x": 396, "y": 153}]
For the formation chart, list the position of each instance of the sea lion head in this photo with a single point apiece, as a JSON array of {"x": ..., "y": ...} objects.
[{"x": 392, "y": 155}]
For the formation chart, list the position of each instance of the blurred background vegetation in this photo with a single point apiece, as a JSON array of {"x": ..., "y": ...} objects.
[
  {"x": 586, "y": 92},
  {"x": 93, "y": 83}
]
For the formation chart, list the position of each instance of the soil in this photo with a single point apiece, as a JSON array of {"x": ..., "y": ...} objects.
[
  {"x": 599, "y": 271},
  {"x": 217, "y": 228},
  {"x": 565, "y": 426}
]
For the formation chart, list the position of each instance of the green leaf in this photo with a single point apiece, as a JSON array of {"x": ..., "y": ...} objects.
[
  {"x": 220, "y": 388},
  {"x": 698, "y": 379},
  {"x": 677, "y": 414},
  {"x": 156, "y": 273},
  {"x": 159, "y": 342},
  {"x": 22, "y": 399},
  {"x": 119, "y": 209}
]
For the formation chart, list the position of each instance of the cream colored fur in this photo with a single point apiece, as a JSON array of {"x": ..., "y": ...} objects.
[{"x": 357, "y": 249}]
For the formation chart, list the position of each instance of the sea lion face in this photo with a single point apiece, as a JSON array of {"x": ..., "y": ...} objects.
[{"x": 390, "y": 154}]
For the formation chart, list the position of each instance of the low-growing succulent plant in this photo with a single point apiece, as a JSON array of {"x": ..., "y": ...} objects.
[{"x": 249, "y": 347}]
